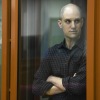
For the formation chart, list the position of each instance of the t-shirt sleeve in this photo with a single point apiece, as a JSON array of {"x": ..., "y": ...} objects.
[{"x": 40, "y": 86}]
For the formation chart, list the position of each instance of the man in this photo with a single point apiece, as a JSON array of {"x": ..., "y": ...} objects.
[{"x": 62, "y": 73}]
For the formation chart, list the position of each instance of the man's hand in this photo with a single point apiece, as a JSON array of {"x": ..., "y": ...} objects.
[
  {"x": 51, "y": 79},
  {"x": 57, "y": 81},
  {"x": 54, "y": 90}
]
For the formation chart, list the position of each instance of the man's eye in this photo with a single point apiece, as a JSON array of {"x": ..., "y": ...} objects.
[
  {"x": 68, "y": 21},
  {"x": 77, "y": 21}
]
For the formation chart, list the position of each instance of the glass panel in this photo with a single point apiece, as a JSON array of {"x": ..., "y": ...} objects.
[
  {"x": 0, "y": 42},
  {"x": 38, "y": 30}
]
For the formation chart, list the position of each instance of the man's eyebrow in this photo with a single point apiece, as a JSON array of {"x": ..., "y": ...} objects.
[
  {"x": 67, "y": 19},
  {"x": 78, "y": 18},
  {"x": 72, "y": 19}
]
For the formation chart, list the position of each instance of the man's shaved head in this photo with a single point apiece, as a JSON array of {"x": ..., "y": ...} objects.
[
  {"x": 69, "y": 8},
  {"x": 71, "y": 21}
]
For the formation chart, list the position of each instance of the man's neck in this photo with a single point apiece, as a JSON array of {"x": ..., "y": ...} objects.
[{"x": 70, "y": 43}]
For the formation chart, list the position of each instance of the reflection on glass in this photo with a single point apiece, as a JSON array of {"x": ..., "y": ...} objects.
[
  {"x": 38, "y": 30},
  {"x": 0, "y": 42}
]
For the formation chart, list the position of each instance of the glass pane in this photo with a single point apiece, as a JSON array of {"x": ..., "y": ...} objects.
[
  {"x": 38, "y": 30},
  {"x": 0, "y": 42}
]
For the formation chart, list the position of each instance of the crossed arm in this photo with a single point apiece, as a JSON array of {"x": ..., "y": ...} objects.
[
  {"x": 58, "y": 86},
  {"x": 54, "y": 85}
]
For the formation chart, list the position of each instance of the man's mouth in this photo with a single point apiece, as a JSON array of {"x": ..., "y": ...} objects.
[{"x": 73, "y": 31}]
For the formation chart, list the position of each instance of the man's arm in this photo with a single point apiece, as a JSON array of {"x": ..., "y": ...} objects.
[
  {"x": 54, "y": 90},
  {"x": 75, "y": 84},
  {"x": 40, "y": 85},
  {"x": 57, "y": 81}
]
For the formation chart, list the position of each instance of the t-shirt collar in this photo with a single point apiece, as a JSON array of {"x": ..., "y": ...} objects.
[{"x": 80, "y": 44}]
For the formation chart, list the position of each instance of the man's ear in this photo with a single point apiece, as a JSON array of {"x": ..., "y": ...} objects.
[{"x": 60, "y": 23}]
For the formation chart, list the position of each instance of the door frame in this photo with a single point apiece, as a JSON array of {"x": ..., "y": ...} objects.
[
  {"x": 97, "y": 50},
  {"x": 90, "y": 50},
  {"x": 14, "y": 49},
  {"x": 6, "y": 49},
  {"x": 10, "y": 49}
]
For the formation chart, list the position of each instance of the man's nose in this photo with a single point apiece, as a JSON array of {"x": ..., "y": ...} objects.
[{"x": 73, "y": 24}]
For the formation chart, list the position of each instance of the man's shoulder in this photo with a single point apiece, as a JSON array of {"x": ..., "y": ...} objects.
[
  {"x": 51, "y": 51},
  {"x": 55, "y": 47}
]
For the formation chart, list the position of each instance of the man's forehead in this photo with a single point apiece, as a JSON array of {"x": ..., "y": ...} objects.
[{"x": 71, "y": 16}]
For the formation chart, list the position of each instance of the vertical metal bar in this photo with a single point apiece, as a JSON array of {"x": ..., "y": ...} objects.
[
  {"x": 90, "y": 50},
  {"x": 97, "y": 50},
  {"x": 6, "y": 33},
  {"x": 14, "y": 49}
]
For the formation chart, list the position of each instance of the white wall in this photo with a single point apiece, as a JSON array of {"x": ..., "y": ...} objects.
[
  {"x": 51, "y": 34},
  {"x": 50, "y": 9}
]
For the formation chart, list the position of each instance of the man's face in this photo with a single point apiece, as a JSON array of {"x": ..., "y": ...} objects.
[{"x": 71, "y": 23}]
